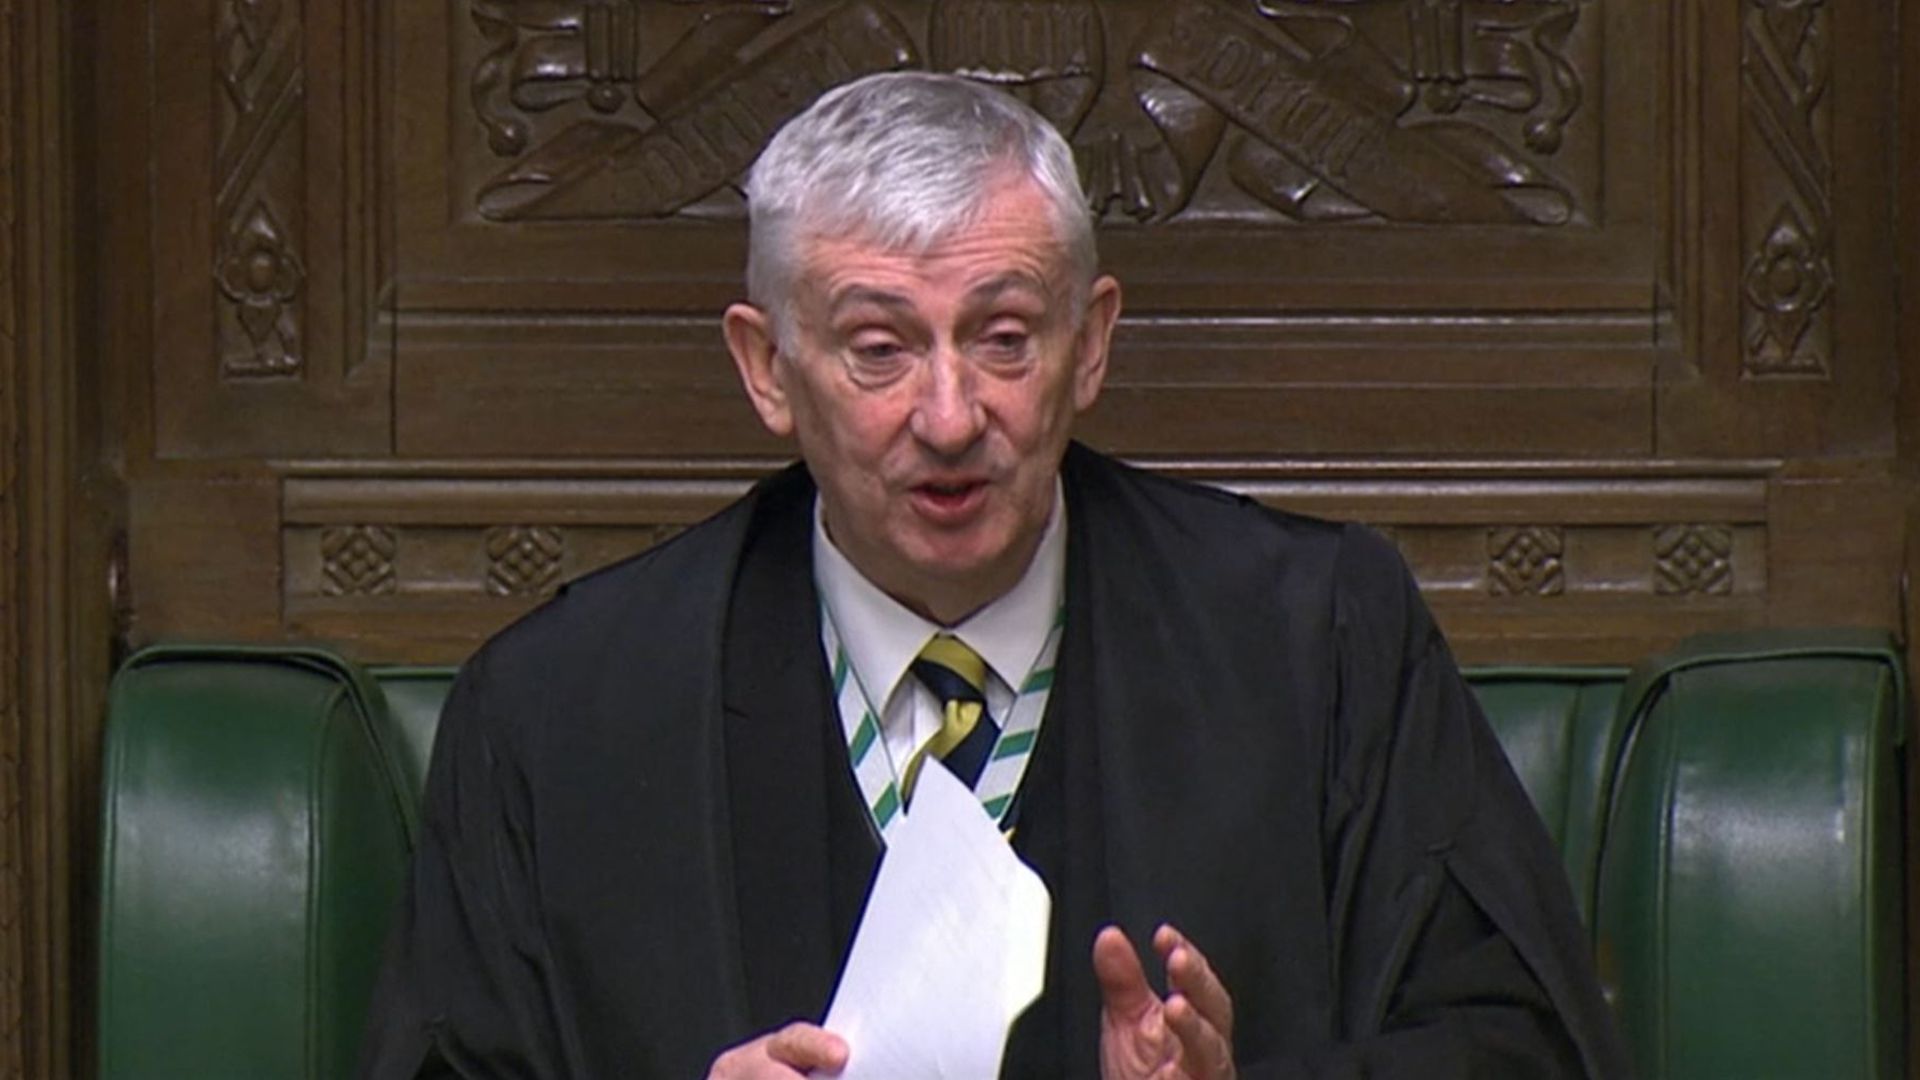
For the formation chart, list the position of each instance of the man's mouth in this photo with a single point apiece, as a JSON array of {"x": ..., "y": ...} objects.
[{"x": 948, "y": 496}]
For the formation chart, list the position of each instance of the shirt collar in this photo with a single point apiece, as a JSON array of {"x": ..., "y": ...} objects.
[{"x": 882, "y": 636}]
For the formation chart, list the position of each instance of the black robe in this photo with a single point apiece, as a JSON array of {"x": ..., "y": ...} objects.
[{"x": 643, "y": 842}]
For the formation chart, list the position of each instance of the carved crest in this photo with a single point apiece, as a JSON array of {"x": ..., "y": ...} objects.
[{"x": 1438, "y": 111}]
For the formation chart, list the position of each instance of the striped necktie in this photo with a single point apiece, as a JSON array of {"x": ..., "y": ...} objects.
[{"x": 957, "y": 676}]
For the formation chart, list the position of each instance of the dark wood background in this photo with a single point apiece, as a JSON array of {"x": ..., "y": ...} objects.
[{"x": 370, "y": 323}]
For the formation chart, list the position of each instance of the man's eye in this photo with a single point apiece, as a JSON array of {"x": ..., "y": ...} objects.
[
  {"x": 878, "y": 361},
  {"x": 1005, "y": 346}
]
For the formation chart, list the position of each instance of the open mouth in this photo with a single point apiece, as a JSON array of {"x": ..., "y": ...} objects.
[{"x": 949, "y": 497}]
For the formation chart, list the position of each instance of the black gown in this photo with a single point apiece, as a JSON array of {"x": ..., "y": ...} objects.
[{"x": 643, "y": 842}]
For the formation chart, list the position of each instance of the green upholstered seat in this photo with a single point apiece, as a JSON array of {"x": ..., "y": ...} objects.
[
  {"x": 1750, "y": 913},
  {"x": 414, "y": 695},
  {"x": 1728, "y": 816},
  {"x": 253, "y": 849},
  {"x": 1562, "y": 730}
]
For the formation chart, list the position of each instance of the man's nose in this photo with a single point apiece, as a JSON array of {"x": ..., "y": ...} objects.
[{"x": 949, "y": 415}]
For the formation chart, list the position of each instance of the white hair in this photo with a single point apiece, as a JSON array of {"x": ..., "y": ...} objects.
[{"x": 901, "y": 159}]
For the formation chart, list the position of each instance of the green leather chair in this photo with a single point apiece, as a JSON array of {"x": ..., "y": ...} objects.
[
  {"x": 254, "y": 841},
  {"x": 1728, "y": 814}
]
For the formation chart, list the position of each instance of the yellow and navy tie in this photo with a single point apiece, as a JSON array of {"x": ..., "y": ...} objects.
[{"x": 957, "y": 676}]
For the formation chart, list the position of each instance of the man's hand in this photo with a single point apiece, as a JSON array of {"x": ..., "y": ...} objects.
[
  {"x": 791, "y": 1052},
  {"x": 1189, "y": 1036}
]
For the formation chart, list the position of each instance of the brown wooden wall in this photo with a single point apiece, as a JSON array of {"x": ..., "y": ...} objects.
[
  {"x": 1588, "y": 303},
  {"x": 371, "y": 322}
]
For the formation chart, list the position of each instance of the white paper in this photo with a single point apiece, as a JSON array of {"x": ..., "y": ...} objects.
[{"x": 953, "y": 945}]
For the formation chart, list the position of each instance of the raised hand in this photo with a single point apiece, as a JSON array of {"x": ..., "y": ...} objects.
[{"x": 1186, "y": 1036}]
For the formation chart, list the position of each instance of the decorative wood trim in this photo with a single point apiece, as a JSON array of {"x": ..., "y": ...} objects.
[
  {"x": 437, "y": 554},
  {"x": 39, "y": 672},
  {"x": 270, "y": 260},
  {"x": 259, "y": 97},
  {"x": 1786, "y": 189}
]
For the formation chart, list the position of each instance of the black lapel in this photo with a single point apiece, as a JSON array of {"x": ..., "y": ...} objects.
[{"x": 803, "y": 855}]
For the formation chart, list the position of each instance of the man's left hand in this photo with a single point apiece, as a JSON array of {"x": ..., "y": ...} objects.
[{"x": 1186, "y": 1036}]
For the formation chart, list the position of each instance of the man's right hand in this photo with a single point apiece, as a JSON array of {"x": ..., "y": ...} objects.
[{"x": 793, "y": 1051}]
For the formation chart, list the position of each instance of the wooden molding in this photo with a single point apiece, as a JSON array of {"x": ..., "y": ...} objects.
[{"x": 39, "y": 702}]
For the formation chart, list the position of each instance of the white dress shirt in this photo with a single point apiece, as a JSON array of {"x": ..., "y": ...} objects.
[{"x": 882, "y": 636}]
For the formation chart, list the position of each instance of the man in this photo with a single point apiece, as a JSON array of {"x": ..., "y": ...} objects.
[{"x": 1230, "y": 735}]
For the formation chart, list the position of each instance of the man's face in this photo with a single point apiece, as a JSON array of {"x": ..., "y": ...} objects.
[{"x": 932, "y": 396}]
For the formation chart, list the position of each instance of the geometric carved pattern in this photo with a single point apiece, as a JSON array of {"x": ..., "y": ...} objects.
[
  {"x": 1694, "y": 559},
  {"x": 1526, "y": 561},
  {"x": 1444, "y": 111},
  {"x": 523, "y": 560},
  {"x": 260, "y": 177},
  {"x": 261, "y": 275},
  {"x": 357, "y": 560},
  {"x": 1786, "y": 190}
]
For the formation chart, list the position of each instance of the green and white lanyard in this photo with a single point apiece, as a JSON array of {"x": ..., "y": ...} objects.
[{"x": 873, "y": 766}]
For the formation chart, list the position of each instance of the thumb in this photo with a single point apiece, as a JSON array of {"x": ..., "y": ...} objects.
[{"x": 1123, "y": 983}]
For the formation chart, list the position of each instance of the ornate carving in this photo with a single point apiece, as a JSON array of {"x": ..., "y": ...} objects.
[
  {"x": 1336, "y": 119},
  {"x": 523, "y": 560},
  {"x": 672, "y": 148},
  {"x": 1786, "y": 189},
  {"x": 261, "y": 275},
  {"x": 1525, "y": 561},
  {"x": 259, "y": 168},
  {"x": 1693, "y": 559},
  {"x": 357, "y": 560},
  {"x": 1385, "y": 110}
]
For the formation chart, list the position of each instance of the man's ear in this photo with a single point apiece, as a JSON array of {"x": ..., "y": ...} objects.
[
  {"x": 1094, "y": 340},
  {"x": 756, "y": 356}
]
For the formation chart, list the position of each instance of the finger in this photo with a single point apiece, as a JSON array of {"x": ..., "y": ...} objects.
[
  {"x": 1123, "y": 983},
  {"x": 808, "y": 1046},
  {"x": 1191, "y": 975},
  {"x": 1204, "y": 1049}
]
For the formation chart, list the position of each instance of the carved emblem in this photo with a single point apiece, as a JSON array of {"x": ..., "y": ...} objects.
[
  {"x": 1788, "y": 279},
  {"x": 1786, "y": 283},
  {"x": 1441, "y": 111},
  {"x": 357, "y": 560},
  {"x": 261, "y": 275},
  {"x": 523, "y": 560},
  {"x": 1693, "y": 559},
  {"x": 1525, "y": 561}
]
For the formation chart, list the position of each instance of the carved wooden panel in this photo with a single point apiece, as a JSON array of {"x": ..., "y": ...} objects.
[
  {"x": 1343, "y": 227},
  {"x": 1782, "y": 339},
  {"x": 268, "y": 262},
  {"x": 1561, "y": 562}
]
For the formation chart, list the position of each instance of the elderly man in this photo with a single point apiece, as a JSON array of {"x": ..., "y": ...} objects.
[{"x": 1228, "y": 736}]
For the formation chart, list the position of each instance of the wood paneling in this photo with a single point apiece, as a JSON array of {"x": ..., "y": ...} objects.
[
  {"x": 1425, "y": 165},
  {"x": 54, "y": 625},
  {"x": 266, "y": 334},
  {"x": 1584, "y": 302},
  {"x": 1782, "y": 194},
  {"x": 1542, "y": 561}
]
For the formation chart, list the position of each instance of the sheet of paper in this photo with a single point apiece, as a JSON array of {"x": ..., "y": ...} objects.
[{"x": 952, "y": 947}]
